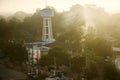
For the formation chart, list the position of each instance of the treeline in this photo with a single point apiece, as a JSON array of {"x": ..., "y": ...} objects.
[{"x": 30, "y": 28}]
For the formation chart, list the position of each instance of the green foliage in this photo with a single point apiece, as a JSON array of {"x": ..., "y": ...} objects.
[
  {"x": 78, "y": 64},
  {"x": 111, "y": 72},
  {"x": 71, "y": 40},
  {"x": 3, "y": 28},
  {"x": 99, "y": 54},
  {"x": 100, "y": 47},
  {"x": 56, "y": 55},
  {"x": 14, "y": 50}
]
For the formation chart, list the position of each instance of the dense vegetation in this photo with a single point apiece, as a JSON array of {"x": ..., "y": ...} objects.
[{"x": 85, "y": 52}]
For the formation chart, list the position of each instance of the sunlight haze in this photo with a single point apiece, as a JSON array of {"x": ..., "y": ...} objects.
[{"x": 29, "y": 6}]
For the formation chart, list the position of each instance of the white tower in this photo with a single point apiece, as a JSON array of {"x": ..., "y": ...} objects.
[{"x": 47, "y": 35}]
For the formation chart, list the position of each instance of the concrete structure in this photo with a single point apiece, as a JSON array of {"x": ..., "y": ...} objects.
[
  {"x": 37, "y": 49},
  {"x": 47, "y": 35},
  {"x": 117, "y": 56},
  {"x": 34, "y": 54}
]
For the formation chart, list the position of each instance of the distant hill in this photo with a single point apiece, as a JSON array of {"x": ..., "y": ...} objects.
[{"x": 20, "y": 15}]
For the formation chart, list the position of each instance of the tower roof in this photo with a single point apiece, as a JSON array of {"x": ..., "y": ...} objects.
[{"x": 47, "y": 12}]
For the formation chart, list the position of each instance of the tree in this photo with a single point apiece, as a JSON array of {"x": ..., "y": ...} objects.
[
  {"x": 71, "y": 40},
  {"x": 99, "y": 56},
  {"x": 78, "y": 66},
  {"x": 3, "y": 29},
  {"x": 56, "y": 56},
  {"x": 16, "y": 51}
]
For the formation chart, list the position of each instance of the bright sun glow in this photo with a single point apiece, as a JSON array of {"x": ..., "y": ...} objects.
[
  {"x": 108, "y": 5},
  {"x": 11, "y": 6}
]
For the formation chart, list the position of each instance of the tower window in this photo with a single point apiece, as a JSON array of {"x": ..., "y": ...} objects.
[{"x": 46, "y": 22}]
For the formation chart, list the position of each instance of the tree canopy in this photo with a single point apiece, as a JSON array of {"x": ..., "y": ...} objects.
[{"x": 83, "y": 39}]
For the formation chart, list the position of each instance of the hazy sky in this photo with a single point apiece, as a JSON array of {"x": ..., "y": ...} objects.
[{"x": 11, "y": 6}]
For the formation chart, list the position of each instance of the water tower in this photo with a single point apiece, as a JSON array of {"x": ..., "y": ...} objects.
[
  {"x": 37, "y": 49},
  {"x": 47, "y": 34}
]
